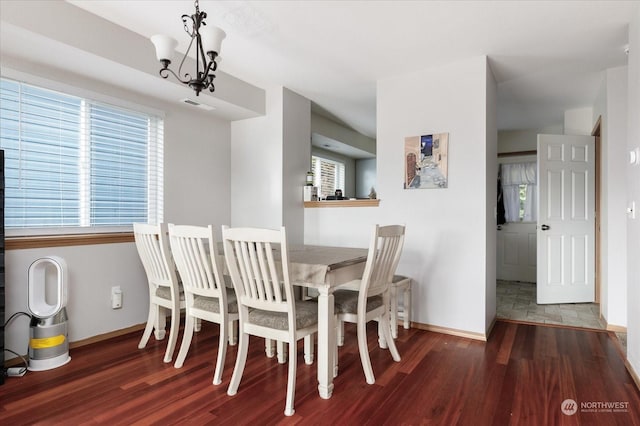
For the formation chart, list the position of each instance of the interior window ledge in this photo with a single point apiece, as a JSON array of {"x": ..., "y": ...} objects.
[{"x": 32, "y": 242}]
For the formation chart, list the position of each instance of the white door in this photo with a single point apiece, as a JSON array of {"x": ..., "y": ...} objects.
[
  {"x": 566, "y": 223},
  {"x": 516, "y": 247}
]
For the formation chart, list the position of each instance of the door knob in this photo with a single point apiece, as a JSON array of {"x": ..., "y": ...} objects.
[{"x": 545, "y": 227}]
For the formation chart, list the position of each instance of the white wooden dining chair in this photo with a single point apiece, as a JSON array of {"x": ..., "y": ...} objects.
[
  {"x": 206, "y": 295},
  {"x": 164, "y": 291},
  {"x": 371, "y": 302},
  {"x": 266, "y": 300}
]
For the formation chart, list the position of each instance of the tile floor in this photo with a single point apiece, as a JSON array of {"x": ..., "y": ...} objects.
[{"x": 517, "y": 300}]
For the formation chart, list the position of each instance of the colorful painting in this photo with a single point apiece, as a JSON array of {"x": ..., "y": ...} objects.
[{"x": 425, "y": 161}]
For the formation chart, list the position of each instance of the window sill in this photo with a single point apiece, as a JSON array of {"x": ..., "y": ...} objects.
[
  {"x": 342, "y": 203},
  {"x": 18, "y": 243}
]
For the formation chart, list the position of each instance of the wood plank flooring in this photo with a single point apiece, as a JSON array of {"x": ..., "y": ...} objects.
[{"x": 521, "y": 376}]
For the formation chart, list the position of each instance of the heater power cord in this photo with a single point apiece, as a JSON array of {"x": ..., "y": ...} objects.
[{"x": 16, "y": 371}]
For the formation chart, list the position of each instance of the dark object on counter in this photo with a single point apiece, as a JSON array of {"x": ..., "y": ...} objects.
[{"x": 337, "y": 196}]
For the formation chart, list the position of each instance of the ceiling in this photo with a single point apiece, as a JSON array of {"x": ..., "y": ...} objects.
[{"x": 547, "y": 57}]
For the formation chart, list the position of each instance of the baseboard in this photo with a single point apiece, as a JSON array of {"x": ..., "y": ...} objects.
[
  {"x": 450, "y": 331},
  {"x": 106, "y": 336},
  {"x": 616, "y": 328},
  {"x": 633, "y": 374}
]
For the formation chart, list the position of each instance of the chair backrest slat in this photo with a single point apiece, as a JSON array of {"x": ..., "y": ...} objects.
[
  {"x": 195, "y": 253},
  {"x": 261, "y": 280}
]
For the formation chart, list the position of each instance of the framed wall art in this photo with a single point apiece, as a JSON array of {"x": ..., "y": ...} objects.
[{"x": 425, "y": 161}]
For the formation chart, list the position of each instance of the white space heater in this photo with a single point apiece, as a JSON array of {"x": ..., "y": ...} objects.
[{"x": 48, "y": 341}]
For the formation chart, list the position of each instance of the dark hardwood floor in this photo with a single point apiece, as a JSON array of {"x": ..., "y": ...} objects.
[{"x": 520, "y": 376}]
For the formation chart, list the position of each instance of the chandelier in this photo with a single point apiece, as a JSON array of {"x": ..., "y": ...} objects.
[{"x": 208, "y": 40}]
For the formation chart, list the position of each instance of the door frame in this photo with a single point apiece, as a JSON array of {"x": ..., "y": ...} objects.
[{"x": 597, "y": 128}]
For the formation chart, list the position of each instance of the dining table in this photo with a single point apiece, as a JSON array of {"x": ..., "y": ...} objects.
[{"x": 324, "y": 269}]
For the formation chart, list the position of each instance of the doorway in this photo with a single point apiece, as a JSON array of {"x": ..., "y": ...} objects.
[{"x": 516, "y": 299}]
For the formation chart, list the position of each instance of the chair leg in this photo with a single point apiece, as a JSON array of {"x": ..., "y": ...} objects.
[
  {"x": 382, "y": 341},
  {"x": 340, "y": 333},
  {"x": 291, "y": 380},
  {"x": 308, "y": 349},
  {"x": 222, "y": 352},
  {"x": 407, "y": 307},
  {"x": 173, "y": 334},
  {"x": 233, "y": 333},
  {"x": 363, "y": 348},
  {"x": 282, "y": 352},
  {"x": 394, "y": 311},
  {"x": 335, "y": 356},
  {"x": 186, "y": 341},
  {"x": 386, "y": 330},
  {"x": 241, "y": 359},
  {"x": 198, "y": 325},
  {"x": 269, "y": 348},
  {"x": 160, "y": 323},
  {"x": 151, "y": 319}
]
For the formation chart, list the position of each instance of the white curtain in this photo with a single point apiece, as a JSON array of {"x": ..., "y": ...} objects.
[{"x": 512, "y": 176}]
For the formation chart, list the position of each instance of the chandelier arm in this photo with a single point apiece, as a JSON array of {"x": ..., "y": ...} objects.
[
  {"x": 184, "y": 58},
  {"x": 203, "y": 58},
  {"x": 211, "y": 66},
  {"x": 164, "y": 73}
]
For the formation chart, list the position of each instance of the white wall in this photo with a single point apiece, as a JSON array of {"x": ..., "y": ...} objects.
[
  {"x": 365, "y": 176},
  {"x": 633, "y": 194},
  {"x": 611, "y": 106},
  {"x": 524, "y": 140},
  {"x": 256, "y": 172},
  {"x": 578, "y": 121},
  {"x": 196, "y": 191},
  {"x": 330, "y": 129},
  {"x": 517, "y": 140},
  {"x": 296, "y": 157},
  {"x": 447, "y": 233},
  {"x": 269, "y": 162}
]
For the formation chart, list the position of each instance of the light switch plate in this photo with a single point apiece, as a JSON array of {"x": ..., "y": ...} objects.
[{"x": 634, "y": 156}]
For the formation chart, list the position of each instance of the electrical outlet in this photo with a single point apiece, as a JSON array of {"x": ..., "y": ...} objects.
[{"x": 116, "y": 297}]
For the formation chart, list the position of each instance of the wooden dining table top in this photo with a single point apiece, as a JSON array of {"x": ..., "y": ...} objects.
[{"x": 310, "y": 264}]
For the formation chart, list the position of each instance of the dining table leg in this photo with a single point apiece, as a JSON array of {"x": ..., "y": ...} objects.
[{"x": 326, "y": 342}]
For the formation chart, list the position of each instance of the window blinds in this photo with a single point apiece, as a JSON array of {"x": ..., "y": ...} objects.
[{"x": 73, "y": 162}]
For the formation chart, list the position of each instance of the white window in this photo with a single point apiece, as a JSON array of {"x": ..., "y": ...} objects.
[
  {"x": 328, "y": 175},
  {"x": 519, "y": 188},
  {"x": 72, "y": 162}
]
